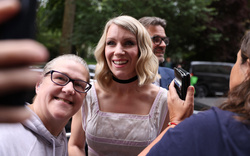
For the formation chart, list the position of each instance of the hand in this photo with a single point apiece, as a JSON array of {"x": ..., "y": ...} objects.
[
  {"x": 14, "y": 53},
  {"x": 8, "y": 8},
  {"x": 179, "y": 109}
]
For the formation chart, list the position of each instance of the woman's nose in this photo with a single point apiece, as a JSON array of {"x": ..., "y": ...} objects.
[
  {"x": 69, "y": 88},
  {"x": 119, "y": 50}
]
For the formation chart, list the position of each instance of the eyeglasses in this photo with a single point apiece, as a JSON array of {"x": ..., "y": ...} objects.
[
  {"x": 62, "y": 80},
  {"x": 157, "y": 40}
]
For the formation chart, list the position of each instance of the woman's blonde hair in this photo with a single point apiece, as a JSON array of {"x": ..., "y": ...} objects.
[{"x": 147, "y": 64}]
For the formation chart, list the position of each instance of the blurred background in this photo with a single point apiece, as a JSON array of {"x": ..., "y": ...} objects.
[
  {"x": 199, "y": 30},
  {"x": 203, "y": 30}
]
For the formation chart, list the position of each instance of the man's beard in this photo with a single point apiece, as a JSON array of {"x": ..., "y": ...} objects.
[{"x": 159, "y": 50}]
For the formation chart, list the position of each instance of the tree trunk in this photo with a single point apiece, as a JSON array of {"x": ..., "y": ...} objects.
[{"x": 67, "y": 27}]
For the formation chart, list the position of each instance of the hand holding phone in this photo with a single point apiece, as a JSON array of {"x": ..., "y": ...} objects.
[
  {"x": 15, "y": 53},
  {"x": 182, "y": 81},
  {"x": 21, "y": 26}
]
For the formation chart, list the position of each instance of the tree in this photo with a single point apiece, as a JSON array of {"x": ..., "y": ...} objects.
[
  {"x": 181, "y": 15},
  {"x": 49, "y": 23},
  {"x": 223, "y": 33},
  {"x": 67, "y": 27},
  {"x": 198, "y": 29}
]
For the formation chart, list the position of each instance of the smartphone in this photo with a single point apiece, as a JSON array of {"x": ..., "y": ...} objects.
[
  {"x": 181, "y": 82},
  {"x": 22, "y": 26}
]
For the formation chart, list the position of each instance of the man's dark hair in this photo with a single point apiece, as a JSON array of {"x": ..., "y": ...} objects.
[{"x": 147, "y": 21}]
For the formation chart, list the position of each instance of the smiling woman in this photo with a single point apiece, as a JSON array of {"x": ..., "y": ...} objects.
[
  {"x": 59, "y": 95},
  {"x": 119, "y": 42},
  {"x": 147, "y": 63},
  {"x": 124, "y": 111}
]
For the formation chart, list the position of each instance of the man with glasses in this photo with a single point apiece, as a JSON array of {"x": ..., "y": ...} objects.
[{"x": 155, "y": 27}]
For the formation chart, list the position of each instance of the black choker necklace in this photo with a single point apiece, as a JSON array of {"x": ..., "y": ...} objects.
[{"x": 125, "y": 81}]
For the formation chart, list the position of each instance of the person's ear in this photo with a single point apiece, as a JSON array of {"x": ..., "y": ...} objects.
[
  {"x": 38, "y": 86},
  {"x": 248, "y": 64},
  {"x": 248, "y": 68}
]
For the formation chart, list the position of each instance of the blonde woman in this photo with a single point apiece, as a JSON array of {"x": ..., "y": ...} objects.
[{"x": 123, "y": 111}]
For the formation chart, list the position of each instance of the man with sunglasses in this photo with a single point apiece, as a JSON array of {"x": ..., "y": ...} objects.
[{"x": 155, "y": 27}]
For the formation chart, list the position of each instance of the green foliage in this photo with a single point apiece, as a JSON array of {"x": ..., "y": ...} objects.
[
  {"x": 52, "y": 14},
  {"x": 193, "y": 26},
  {"x": 185, "y": 20},
  {"x": 221, "y": 39},
  {"x": 49, "y": 24}
]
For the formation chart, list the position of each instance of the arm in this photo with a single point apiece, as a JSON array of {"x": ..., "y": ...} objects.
[
  {"x": 76, "y": 145},
  {"x": 165, "y": 124},
  {"x": 147, "y": 149},
  {"x": 178, "y": 111}
]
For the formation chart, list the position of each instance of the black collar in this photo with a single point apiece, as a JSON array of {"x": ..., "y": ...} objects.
[{"x": 125, "y": 81}]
